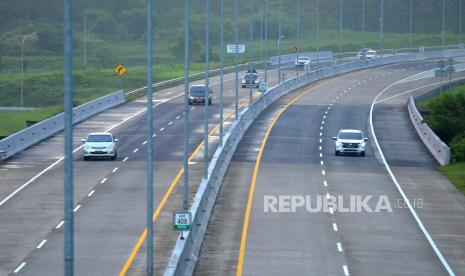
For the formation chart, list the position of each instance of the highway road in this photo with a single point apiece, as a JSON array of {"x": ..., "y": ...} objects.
[
  {"x": 109, "y": 195},
  {"x": 288, "y": 154}
]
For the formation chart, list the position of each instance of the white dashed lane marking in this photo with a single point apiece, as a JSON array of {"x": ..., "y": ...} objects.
[
  {"x": 135, "y": 150},
  {"x": 125, "y": 159},
  {"x": 339, "y": 247},
  {"x": 335, "y": 227},
  {"x": 91, "y": 193},
  {"x": 346, "y": 270},
  {"x": 60, "y": 224},
  {"x": 325, "y": 183},
  {"x": 143, "y": 143},
  {"x": 41, "y": 244},
  {"x": 18, "y": 269},
  {"x": 114, "y": 170},
  {"x": 77, "y": 208},
  {"x": 170, "y": 123},
  {"x": 103, "y": 180}
]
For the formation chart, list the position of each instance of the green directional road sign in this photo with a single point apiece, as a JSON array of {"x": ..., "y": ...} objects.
[{"x": 182, "y": 221}]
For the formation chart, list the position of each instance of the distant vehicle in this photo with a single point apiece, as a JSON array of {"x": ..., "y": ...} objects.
[
  {"x": 251, "y": 79},
  {"x": 302, "y": 61},
  {"x": 197, "y": 94},
  {"x": 366, "y": 54},
  {"x": 100, "y": 144},
  {"x": 350, "y": 141}
]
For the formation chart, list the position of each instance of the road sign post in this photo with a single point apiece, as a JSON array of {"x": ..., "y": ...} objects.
[
  {"x": 182, "y": 221},
  {"x": 232, "y": 49}
]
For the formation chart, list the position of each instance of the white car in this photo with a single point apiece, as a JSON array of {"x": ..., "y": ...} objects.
[
  {"x": 366, "y": 54},
  {"x": 302, "y": 61},
  {"x": 350, "y": 141},
  {"x": 100, "y": 144}
]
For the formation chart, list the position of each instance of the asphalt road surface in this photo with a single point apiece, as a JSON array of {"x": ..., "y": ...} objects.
[
  {"x": 247, "y": 237},
  {"x": 109, "y": 196}
]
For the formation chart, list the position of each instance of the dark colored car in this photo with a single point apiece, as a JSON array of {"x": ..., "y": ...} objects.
[{"x": 197, "y": 94}]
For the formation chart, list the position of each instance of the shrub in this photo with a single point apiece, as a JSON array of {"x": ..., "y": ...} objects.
[{"x": 457, "y": 146}]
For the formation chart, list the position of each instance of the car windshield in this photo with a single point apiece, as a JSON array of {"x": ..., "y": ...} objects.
[
  {"x": 371, "y": 53},
  {"x": 251, "y": 76},
  {"x": 350, "y": 136},
  {"x": 304, "y": 58},
  {"x": 198, "y": 91},
  {"x": 99, "y": 138}
]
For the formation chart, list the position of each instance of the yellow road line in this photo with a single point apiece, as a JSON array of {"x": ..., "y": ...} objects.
[
  {"x": 245, "y": 227},
  {"x": 167, "y": 194}
]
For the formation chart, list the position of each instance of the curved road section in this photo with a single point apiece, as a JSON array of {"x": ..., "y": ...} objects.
[{"x": 290, "y": 206}]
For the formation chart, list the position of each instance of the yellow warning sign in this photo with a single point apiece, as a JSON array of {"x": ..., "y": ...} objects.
[{"x": 120, "y": 70}]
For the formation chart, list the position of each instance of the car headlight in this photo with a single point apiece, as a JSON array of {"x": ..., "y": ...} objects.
[
  {"x": 257, "y": 80},
  {"x": 338, "y": 144},
  {"x": 243, "y": 81},
  {"x": 361, "y": 145}
]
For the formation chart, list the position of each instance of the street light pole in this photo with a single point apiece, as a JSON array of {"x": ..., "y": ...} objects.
[
  {"x": 297, "y": 34},
  {"x": 363, "y": 23},
  {"x": 236, "y": 56},
  {"x": 222, "y": 72},
  {"x": 207, "y": 88},
  {"x": 85, "y": 39},
  {"x": 186, "y": 107},
  {"x": 22, "y": 66},
  {"x": 443, "y": 23},
  {"x": 266, "y": 41},
  {"x": 411, "y": 24},
  {"x": 460, "y": 20},
  {"x": 381, "y": 29},
  {"x": 149, "y": 215},
  {"x": 251, "y": 47},
  {"x": 68, "y": 148},
  {"x": 279, "y": 40},
  {"x": 317, "y": 32},
  {"x": 340, "y": 27}
]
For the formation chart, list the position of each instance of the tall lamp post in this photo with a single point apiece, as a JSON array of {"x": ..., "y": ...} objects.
[
  {"x": 340, "y": 27},
  {"x": 411, "y": 24},
  {"x": 381, "y": 28},
  {"x": 363, "y": 23},
  {"x": 32, "y": 35},
  {"x": 279, "y": 58},
  {"x": 443, "y": 23}
]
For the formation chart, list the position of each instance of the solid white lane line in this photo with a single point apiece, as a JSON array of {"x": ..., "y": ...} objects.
[
  {"x": 125, "y": 159},
  {"x": 18, "y": 269},
  {"x": 77, "y": 208},
  {"x": 170, "y": 123},
  {"x": 335, "y": 227},
  {"x": 323, "y": 172},
  {"x": 399, "y": 188},
  {"x": 339, "y": 247},
  {"x": 331, "y": 211},
  {"x": 60, "y": 224},
  {"x": 161, "y": 129},
  {"x": 143, "y": 143},
  {"x": 135, "y": 150},
  {"x": 41, "y": 244},
  {"x": 91, "y": 193},
  {"x": 114, "y": 170},
  {"x": 325, "y": 183},
  {"x": 346, "y": 270},
  {"x": 103, "y": 180}
]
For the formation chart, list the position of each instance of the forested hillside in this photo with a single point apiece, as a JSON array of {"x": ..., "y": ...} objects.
[{"x": 122, "y": 21}]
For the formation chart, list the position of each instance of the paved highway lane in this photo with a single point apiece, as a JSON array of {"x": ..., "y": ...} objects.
[
  {"x": 109, "y": 196},
  {"x": 298, "y": 159}
]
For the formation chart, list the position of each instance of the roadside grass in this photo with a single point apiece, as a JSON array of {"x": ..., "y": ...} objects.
[
  {"x": 456, "y": 174},
  {"x": 12, "y": 121}
]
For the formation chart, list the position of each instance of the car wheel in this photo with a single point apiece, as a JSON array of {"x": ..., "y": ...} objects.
[
  {"x": 337, "y": 153},
  {"x": 210, "y": 102},
  {"x": 362, "y": 153},
  {"x": 113, "y": 157},
  {"x": 86, "y": 158}
]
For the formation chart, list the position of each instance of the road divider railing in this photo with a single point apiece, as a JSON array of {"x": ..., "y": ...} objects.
[
  {"x": 186, "y": 251},
  {"x": 34, "y": 134},
  {"x": 433, "y": 143}
]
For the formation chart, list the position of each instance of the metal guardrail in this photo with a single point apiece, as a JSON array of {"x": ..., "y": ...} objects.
[
  {"x": 433, "y": 143},
  {"x": 185, "y": 253}
]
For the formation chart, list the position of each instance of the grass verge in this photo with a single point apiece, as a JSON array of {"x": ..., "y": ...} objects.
[
  {"x": 14, "y": 121},
  {"x": 456, "y": 175}
]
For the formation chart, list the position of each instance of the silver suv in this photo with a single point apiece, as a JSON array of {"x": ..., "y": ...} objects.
[
  {"x": 100, "y": 144},
  {"x": 350, "y": 141}
]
